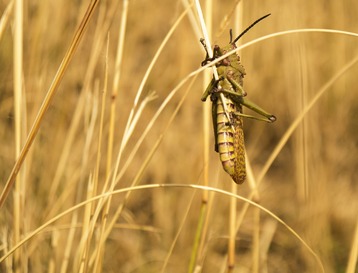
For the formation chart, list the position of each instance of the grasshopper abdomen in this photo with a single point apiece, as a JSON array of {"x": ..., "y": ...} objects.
[{"x": 230, "y": 141}]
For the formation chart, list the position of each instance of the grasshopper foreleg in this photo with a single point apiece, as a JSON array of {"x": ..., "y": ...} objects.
[
  {"x": 241, "y": 92},
  {"x": 212, "y": 89},
  {"x": 207, "y": 58}
]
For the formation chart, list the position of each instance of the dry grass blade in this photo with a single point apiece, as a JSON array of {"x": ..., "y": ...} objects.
[
  {"x": 353, "y": 256},
  {"x": 49, "y": 96},
  {"x": 277, "y": 34},
  {"x": 5, "y": 17},
  {"x": 153, "y": 186},
  {"x": 116, "y": 79}
]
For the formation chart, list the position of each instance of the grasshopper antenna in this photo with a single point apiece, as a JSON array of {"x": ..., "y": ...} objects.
[{"x": 247, "y": 29}]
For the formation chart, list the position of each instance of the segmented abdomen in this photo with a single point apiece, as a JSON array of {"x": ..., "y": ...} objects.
[{"x": 230, "y": 140}]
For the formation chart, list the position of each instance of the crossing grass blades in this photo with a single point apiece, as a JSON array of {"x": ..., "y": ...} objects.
[{"x": 228, "y": 98}]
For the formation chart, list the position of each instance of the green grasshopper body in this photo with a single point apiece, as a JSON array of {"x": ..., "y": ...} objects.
[{"x": 227, "y": 109}]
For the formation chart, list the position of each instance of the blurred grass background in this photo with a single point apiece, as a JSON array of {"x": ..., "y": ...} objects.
[{"x": 312, "y": 184}]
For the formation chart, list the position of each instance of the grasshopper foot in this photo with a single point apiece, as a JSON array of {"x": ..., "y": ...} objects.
[{"x": 272, "y": 118}]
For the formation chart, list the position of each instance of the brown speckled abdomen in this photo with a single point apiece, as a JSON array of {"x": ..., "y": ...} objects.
[{"x": 230, "y": 141}]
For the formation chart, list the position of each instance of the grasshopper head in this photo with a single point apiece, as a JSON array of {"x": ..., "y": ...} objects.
[{"x": 218, "y": 52}]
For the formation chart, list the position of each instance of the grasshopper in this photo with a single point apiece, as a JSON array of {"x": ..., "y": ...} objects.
[{"x": 228, "y": 98}]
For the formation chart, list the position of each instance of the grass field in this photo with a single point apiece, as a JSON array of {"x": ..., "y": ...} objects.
[{"x": 119, "y": 173}]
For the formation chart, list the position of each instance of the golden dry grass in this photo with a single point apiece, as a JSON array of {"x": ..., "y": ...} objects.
[{"x": 311, "y": 184}]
